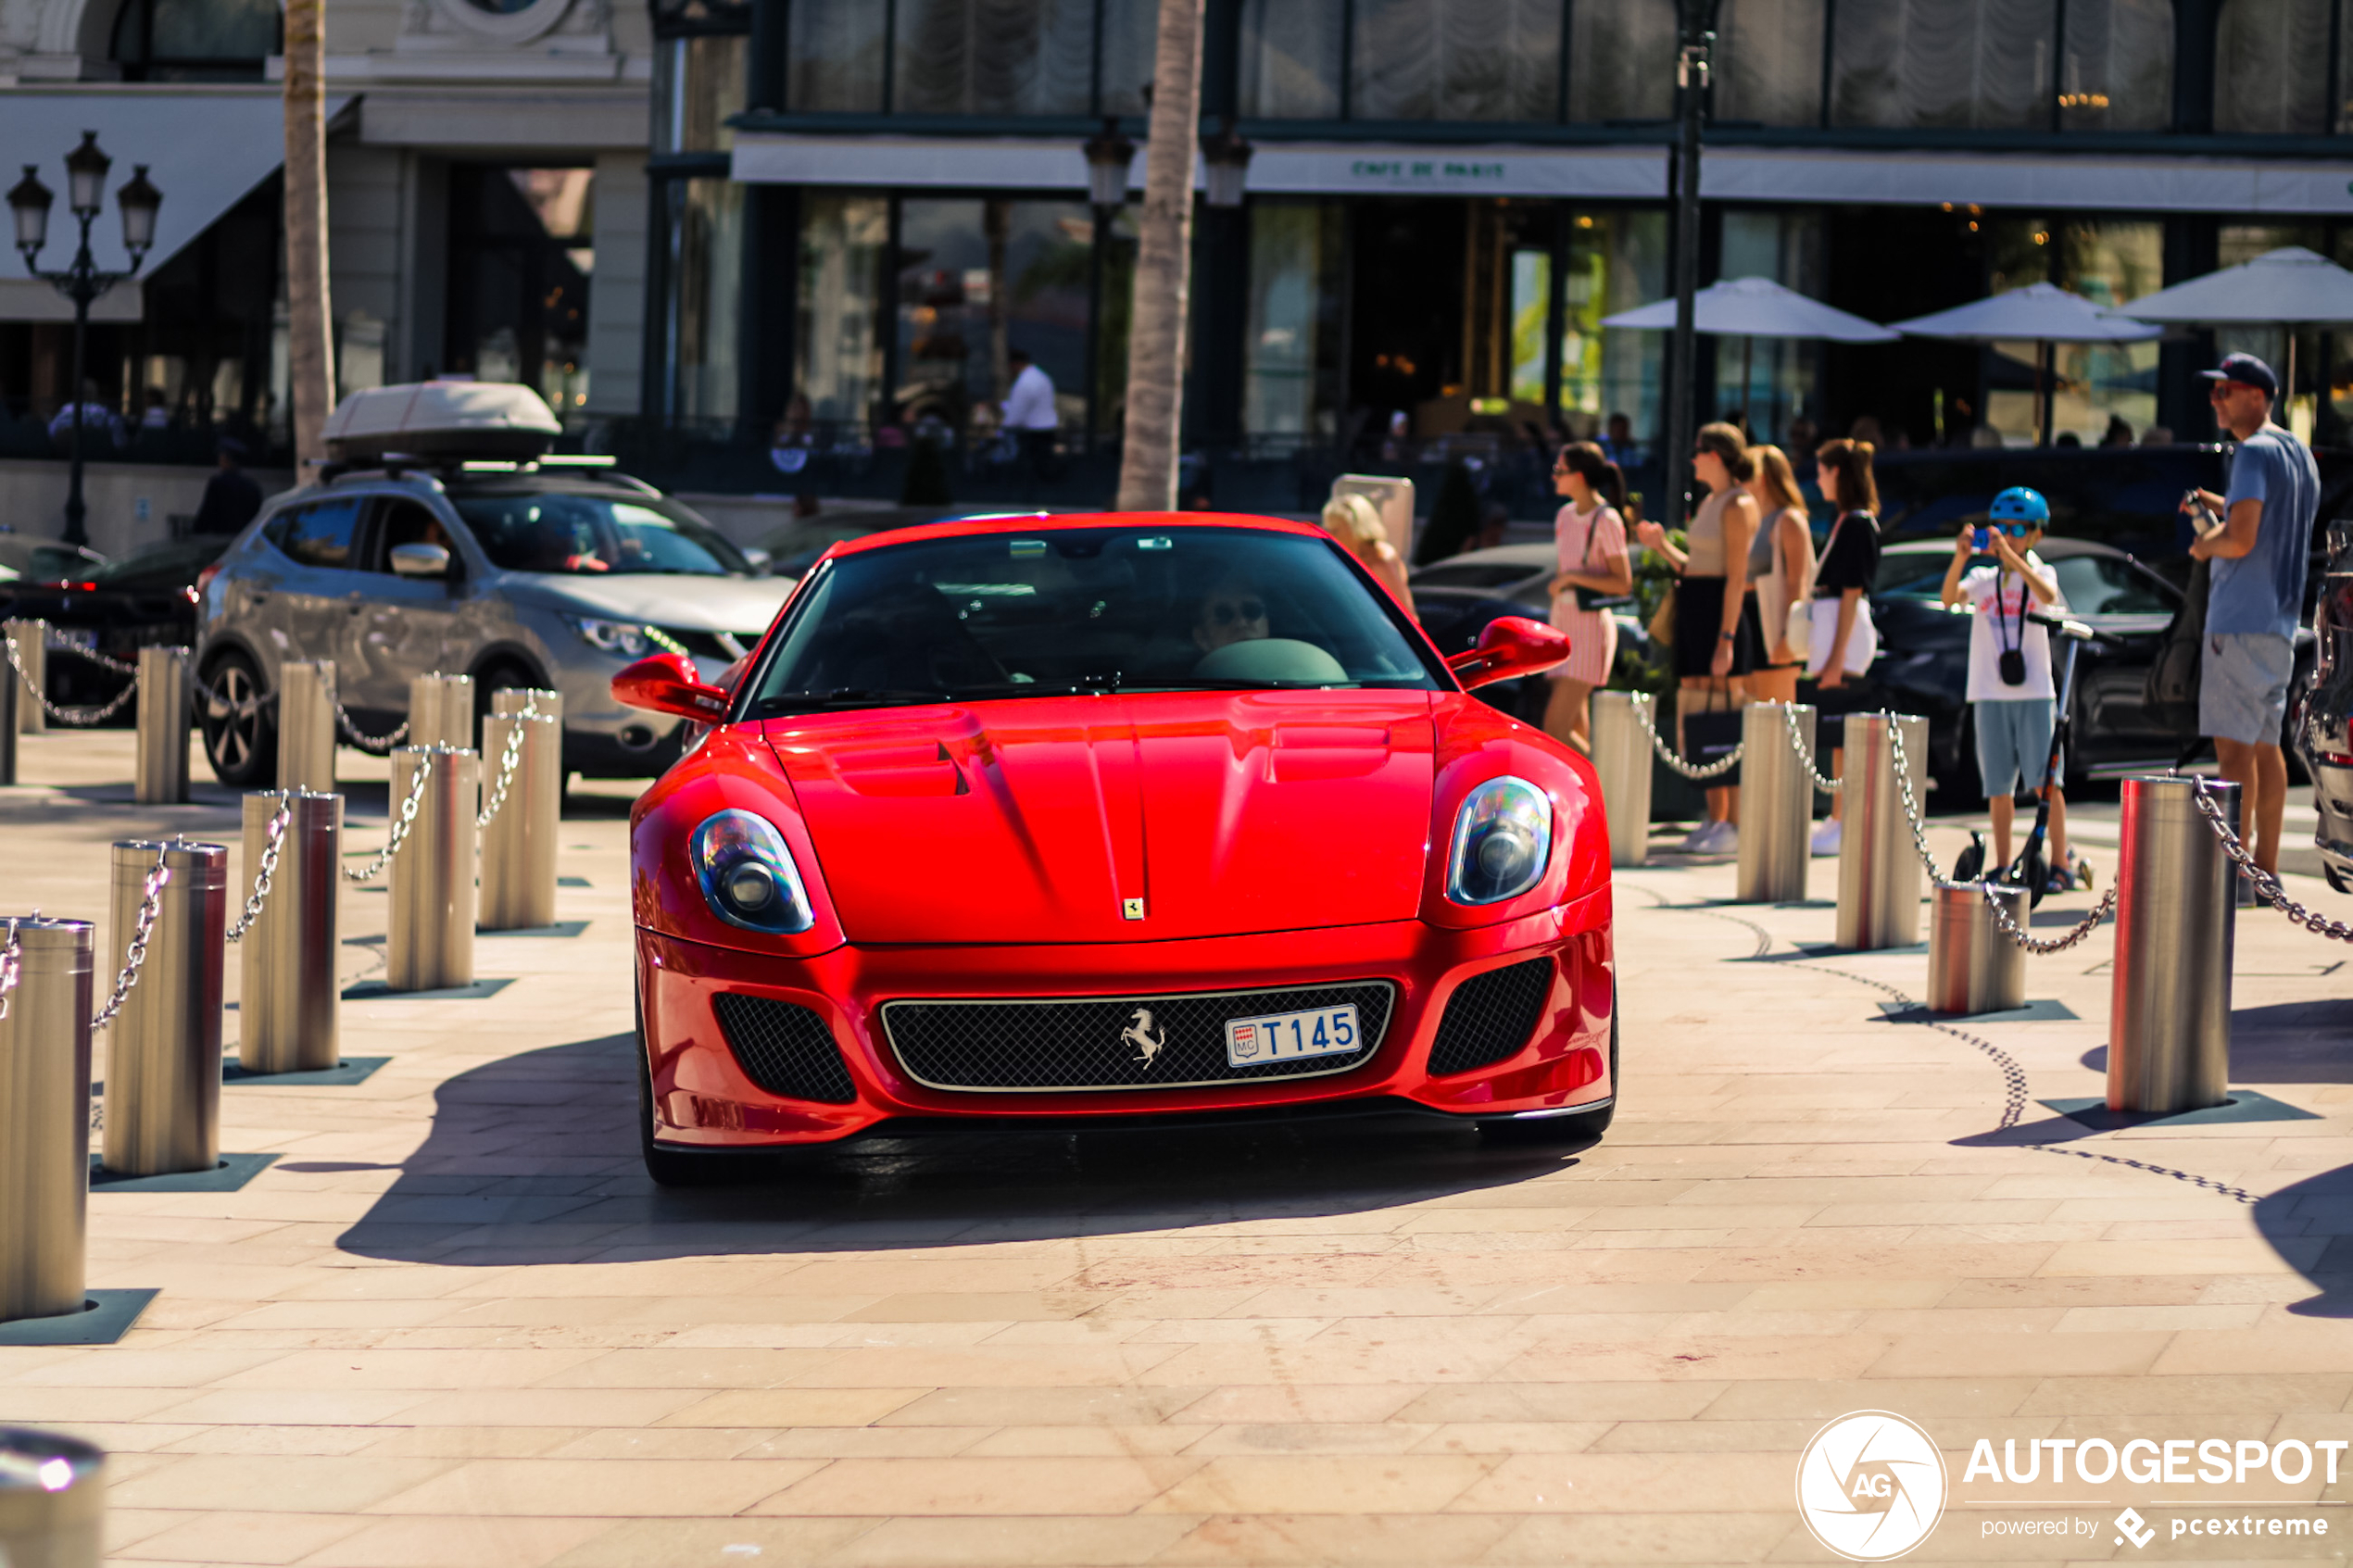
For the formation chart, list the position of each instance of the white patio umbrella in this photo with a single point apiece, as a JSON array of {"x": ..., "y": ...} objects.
[
  {"x": 2040, "y": 313},
  {"x": 2287, "y": 288},
  {"x": 1749, "y": 308}
]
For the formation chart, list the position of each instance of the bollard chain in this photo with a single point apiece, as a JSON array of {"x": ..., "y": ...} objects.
[
  {"x": 149, "y": 908},
  {"x": 64, "y": 713},
  {"x": 95, "y": 656},
  {"x": 275, "y": 840},
  {"x": 1805, "y": 752},
  {"x": 1911, "y": 805},
  {"x": 11, "y": 959},
  {"x": 380, "y": 745},
  {"x": 508, "y": 758},
  {"x": 401, "y": 821},
  {"x": 1666, "y": 753},
  {"x": 2267, "y": 886},
  {"x": 2082, "y": 928}
]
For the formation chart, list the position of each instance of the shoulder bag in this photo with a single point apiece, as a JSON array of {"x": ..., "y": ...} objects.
[
  {"x": 2169, "y": 694},
  {"x": 1595, "y": 598}
]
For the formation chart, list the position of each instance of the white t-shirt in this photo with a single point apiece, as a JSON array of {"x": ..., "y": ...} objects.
[
  {"x": 1030, "y": 403},
  {"x": 1995, "y": 626}
]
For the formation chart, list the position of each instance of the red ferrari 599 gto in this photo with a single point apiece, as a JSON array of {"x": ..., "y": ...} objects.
[{"x": 1055, "y": 822}]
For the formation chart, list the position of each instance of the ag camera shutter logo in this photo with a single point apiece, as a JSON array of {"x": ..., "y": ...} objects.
[{"x": 1871, "y": 1485}]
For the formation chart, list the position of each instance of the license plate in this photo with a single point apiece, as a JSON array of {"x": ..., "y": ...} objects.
[{"x": 1285, "y": 1037}]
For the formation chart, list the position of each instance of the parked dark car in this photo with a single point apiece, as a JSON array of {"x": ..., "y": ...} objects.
[
  {"x": 1455, "y": 598},
  {"x": 24, "y": 559},
  {"x": 2324, "y": 723},
  {"x": 115, "y": 607}
]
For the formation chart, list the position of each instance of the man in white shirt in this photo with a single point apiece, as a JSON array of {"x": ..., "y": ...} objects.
[{"x": 1029, "y": 411}]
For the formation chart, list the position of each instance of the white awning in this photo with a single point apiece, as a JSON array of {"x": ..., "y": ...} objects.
[{"x": 206, "y": 148}]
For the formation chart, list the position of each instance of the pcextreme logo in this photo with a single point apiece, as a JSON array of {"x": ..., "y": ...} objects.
[{"x": 1871, "y": 1485}]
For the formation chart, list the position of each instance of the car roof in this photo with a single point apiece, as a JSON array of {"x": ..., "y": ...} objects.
[
  {"x": 1057, "y": 523},
  {"x": 1535, "y": 556},
  {"x": 2050, "y": 549}
]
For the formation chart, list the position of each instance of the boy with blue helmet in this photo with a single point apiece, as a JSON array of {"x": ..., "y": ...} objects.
[{"x": 2011, "y": 696}]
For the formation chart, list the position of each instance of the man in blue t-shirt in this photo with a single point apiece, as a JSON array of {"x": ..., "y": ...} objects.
[{"x": 2258, "y": 554}]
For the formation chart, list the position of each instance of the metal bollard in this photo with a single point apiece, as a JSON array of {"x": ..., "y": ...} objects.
[
  {"x": 52, "y": 1500},
  {"x": 163, "y": 1054},
  {"x": 288, "y": 1018},
  {"x": 1973, "y": 964},
  {"x": 8, "y": 699},
  {"x": 44, "y": 1120},
  {"x": 32, "y": 640},
  {"x": 1879, "y": 870},
  {"x": 441, "y": 711},
  {"x": 162, "y": 772},
  {"x": 430, "y": 944},
  {"x": 1622, "y": 758},
  {"x": 2169, "y": 1030},
  {"x": 519, "y": 846},
  {"x": 1777, "y": 806},
  {"x": 306, "y": 725}
]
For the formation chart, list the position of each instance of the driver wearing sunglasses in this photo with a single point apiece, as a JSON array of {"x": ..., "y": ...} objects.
[{"x": 1233, "y": 611}]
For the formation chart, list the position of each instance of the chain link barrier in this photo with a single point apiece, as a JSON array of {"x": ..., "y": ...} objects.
[
  {"x": 65, "y": 713},
  {"x": 508, "y": 760},
  {"x": 380, "y": 745},
  {"x": 2266, "y": 884},
  {"x": 273, "y": 840},
  {"x": 11, "y": 959},
  {"x": 1911, "y": 803},
  {"x": 1806, "y": 753},
  {"x": 2082, "y": 928},
  {"x": 401, "y": 822},
  {"x": 95, "y": 656},
  {"x": 1666, "y": 753},
  {"x": 149, "y": 906}
]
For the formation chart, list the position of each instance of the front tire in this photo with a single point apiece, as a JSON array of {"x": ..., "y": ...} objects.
[{"x": 240, "y": 736}]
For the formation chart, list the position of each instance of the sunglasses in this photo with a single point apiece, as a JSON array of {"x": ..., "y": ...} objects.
[{"x": 1226, "y": 612}]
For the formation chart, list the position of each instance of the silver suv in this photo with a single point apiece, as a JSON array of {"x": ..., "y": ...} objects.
[{"x": 518, "y": 574}]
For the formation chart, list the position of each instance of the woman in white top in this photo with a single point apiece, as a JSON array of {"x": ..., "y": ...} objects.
[
  {"x": 1352, "y": 522},
  {"x": 1590, "y": 538},
  {"x": 1781, "y": 566}
]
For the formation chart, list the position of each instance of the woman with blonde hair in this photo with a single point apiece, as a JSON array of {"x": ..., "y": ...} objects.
[
  {"x": 1781, "y": 566},
  {"x": 1591, "y": 538},
  {"x": 1352, "y": 522}
]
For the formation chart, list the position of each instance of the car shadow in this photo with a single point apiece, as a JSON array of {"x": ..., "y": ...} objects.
[
  {"x": 533, "y": 1159},
  {"x": 2310, "y": 1226}
]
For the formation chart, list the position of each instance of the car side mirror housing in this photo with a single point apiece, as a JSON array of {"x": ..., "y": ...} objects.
[
  {"x": 419, "y": 560},
  {"x": 759, "y": 560},
  {"x": 1511, "y": 646},
  {"x": 668, "y": 682}
]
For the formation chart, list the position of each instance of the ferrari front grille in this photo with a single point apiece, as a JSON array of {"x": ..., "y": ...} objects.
[
  {"x": 1490, "y": 1016},
  {"x": 1164, "y": 1042},
  {"x": 783, "y": 1047}
]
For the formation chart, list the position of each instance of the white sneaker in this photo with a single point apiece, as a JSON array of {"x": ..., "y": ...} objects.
[
  {"x": 1696, "y": 841},
  {"x": 1727, "y": 840},
  {"x": 1826, "y": 837}
]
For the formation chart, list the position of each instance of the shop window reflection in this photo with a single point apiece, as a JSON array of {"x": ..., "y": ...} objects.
[
  {"x": 1948, "y": 64},
  {"x": 837, "y": 55},
  {"x": 1457, "y": 59},
  {"x": 2271, "y": 68},
  {"x": 2116, "y": 70},
  {"x": 1291, "y": 390},
  {"x": 844, "y": 246}
]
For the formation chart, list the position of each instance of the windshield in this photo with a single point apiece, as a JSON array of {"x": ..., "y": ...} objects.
[
  {"x": 170, "y": 565},
  {"x": 39, "y": 562},
  {"x": 566, "y": 531},
  {"x": 1093, "y": 610}
]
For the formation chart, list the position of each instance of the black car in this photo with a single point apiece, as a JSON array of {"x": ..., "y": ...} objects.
[
  {"x": 2324, "y": 723},
  {"x": 113, "y": 608},
  {"x": 1455, "y": 598}
]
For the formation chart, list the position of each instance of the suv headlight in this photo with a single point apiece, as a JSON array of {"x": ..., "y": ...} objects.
[
  {"x": 1502, "y": 841},
  {"x": 747, "y": 875},
  {"x": 626, "y": 638}
]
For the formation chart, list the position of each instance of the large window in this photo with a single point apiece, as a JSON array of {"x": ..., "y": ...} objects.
[
  {"x": 837, "y": 56},
  {"x": 971, "y": 57},
  {"x": 2094, "y": 387},
  {"x": 1457, "y": 59},
  {"x": 1976, "y": 64},
  {"x": 705, "y": 265},
  {"x": 2271, "y": 66},
  {"x": 1290, "y": 66},
  {"x": 194, "y": 39},
  {"x": 1771, "y": 380},
  {"x": 1291, "y": 390},
  {"x": 980, "y": 280},
  {"x": 2116, "y": 70},
  {"x": 1621, "y": 60},
  {"x": 1616, "y": 260},
  {"x": 844, "y": 242},
  {"x": 521, "y": 248},
  {"x": 1769, "y": 62}
]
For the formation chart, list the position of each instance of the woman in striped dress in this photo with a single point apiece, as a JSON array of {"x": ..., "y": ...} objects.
[{"x": 1590, "y": 538}]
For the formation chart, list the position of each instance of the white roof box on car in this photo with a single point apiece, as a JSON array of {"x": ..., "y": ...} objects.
[{"x": 442, "y": 419}]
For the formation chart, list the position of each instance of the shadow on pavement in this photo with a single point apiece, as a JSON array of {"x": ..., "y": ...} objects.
[
  {"x": 533, "y": 1159},
  {"x": 2310, "y": 1226},
  {"x": 2284, "y": 1043}
]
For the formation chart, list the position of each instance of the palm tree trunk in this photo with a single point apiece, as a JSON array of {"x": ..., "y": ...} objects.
[
  {"x": 1163, "y": 268},
  {"x": 309, "y": 352}
]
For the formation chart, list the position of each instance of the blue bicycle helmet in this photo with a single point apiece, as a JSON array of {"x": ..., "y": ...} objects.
[{"x": 2018, "y": 504}]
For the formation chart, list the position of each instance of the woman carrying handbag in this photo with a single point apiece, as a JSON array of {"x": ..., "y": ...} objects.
[
  {"x": 1781, "y": 565},
  {"x": 1840, "y": 638},
  {"x": 1591, "y": 538}
]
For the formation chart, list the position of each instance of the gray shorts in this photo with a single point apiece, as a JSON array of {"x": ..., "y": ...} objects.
[{"x": 2242, "y": 691}]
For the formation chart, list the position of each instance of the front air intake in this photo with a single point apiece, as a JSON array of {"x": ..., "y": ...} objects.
[
  {"x": 785, "y": 1048},
  {"x": 1490, "y": 1016}
]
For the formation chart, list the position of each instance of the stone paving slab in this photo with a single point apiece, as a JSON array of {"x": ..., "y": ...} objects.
[{"x": 452, "y": 1324}]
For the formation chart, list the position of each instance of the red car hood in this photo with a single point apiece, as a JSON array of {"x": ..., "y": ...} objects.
[{"x": 1221, "y": 812}]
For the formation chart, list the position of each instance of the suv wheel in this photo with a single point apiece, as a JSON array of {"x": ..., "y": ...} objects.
[{"x": 240, "y": 736}]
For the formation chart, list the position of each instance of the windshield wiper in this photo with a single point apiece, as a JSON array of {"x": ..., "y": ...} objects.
[{"x": 844, "y": 696}]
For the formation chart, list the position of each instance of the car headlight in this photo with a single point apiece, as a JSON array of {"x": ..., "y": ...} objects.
[
  {"x": 626, "y": 638},
  {"x": 747, "y": 875},
  {"x": 1502, "y": 841}
]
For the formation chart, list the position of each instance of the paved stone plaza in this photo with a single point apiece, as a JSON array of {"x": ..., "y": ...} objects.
[{"x": 454, "y": 1325}]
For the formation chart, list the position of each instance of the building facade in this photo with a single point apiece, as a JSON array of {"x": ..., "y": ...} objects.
[{"x": 1446, "y": 199}]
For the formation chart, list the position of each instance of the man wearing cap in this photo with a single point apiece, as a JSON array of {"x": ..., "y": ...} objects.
[{"x": 2258, "y": 558}]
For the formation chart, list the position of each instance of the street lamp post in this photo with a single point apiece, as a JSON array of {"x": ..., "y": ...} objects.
[
  {"x": 82, "y": 281},
  {"x": 1110, "y": 156},
  {"x": 1697, "y": 19}
]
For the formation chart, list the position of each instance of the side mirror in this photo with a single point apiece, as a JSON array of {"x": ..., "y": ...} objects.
[
  {"x": 667, "y": 682},
  {"x": 759, "y": 560},
  {"x": 419, "y": 560},
  {"x": 1512, "y": 645}
]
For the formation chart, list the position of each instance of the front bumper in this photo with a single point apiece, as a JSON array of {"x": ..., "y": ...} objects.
[{"x": 703, "y": 1098}]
